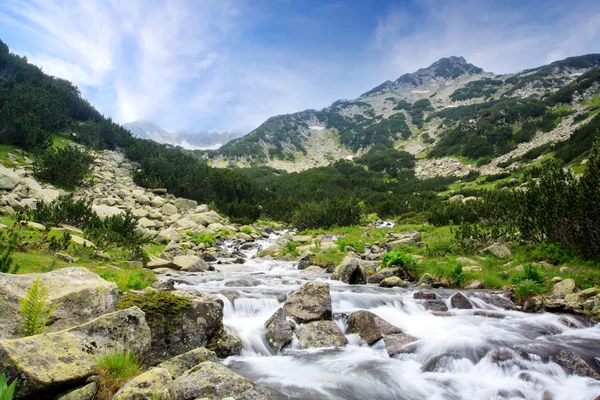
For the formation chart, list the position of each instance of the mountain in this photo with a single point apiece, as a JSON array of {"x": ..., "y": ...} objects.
[
  {"x": 412, "y": 114},
  {"x": 187, "y": 139}
]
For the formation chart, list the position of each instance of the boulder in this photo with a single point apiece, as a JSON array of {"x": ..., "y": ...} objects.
[
  {"x": 200, "y": 316},
  {"x": 425, "y": 296},
  {"x": 156, "y": 383},
  {"x": 215, "y": 381},
  {"x": 47, "y": 195},
  {"x": 497, "y": 249},
  {"x": 472, "y": 268},
  {"x": 66, "y": 358},
  {"x": 8, "y": 178},
  {"x": 207, "y": 218},
  {"x": 82, "y": 242},
  {"x": 458, "y": 300},
  {"x": 435, "y": 305},
  {"x": 388, "y": 273},
  {"x": 576, "y": 300},
  {"x": 160, "y": 263},
  {"x": 168, "y": 209},
  {"x": 225, "y": 343},
  {"x": 106, "y": 211},
  {"x": 465, "y": 260},
  {"x": 313, "y": 269},
  {"x": 35, "y": 225},
  {"x": 321, "y": 334},
  {"x": 171, "y": 251},
  {"x": 369, "y": 326},
  {"x": 167, "y": 235},
  {"x": 563, "y": 288},
  {"x": 397, "y": 343},
  {"x": 426, "y": 280},
  {"x": 305, "y": 259},
  {"x": 534, "y": 304},
  {"x": 185, "y": 224},
  {"x": 146, "y": 223},
  {"x": 185, "y": 205},
  {"x": 392, "y": 281},
  {"x": 78, "y": 294},
  {"x": 574, "y": 364},
  {"x": 278, "y": 331},
  {"x": 312, "y": 302},
  {"x": 475, "y": 284},
  {"x": 190, "y": 264},
  {"x": 350, "y": 271},
  {"x": 86, "y": 392},
  {"x": 176, "y": 366}
]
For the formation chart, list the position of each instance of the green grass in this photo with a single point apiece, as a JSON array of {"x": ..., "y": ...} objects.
[
  {"x": 5, "y": 151},
  {"x": 115, "y": 369}
]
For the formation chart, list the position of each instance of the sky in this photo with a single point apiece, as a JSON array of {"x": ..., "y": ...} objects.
[{"x": 231, "y": 64}]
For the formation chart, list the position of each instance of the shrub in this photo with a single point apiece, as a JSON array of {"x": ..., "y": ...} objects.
[
  {"x": 128, "y": 280},
  {"x": 327, "y": 213},
  {"x": 65, "y": 210},
  {"x": 35, "y": 310},
  {"x": 554, "y": 253},
  {"x": 529, "y": 273},
  {"x": 115, "y": 369},
  {"x": 401, "y": 259},
  {"x": 528, "y": 288},
  {"x": 6, "y": 391},
  {"x": 8, "y": 243},
  {"x": 457, "y": 276},
  {"x": 117, "y": 230},
  {"x": 64, "y": 167}
]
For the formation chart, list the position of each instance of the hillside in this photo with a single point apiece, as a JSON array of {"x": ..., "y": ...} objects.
[{"x": 418, "y": 112}]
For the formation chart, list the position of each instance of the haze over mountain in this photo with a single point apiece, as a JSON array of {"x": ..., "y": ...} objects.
[{"x": 201, "y": 140}]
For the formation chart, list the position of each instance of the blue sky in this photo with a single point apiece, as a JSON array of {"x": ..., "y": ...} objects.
[{"x": 230, "y": 64}]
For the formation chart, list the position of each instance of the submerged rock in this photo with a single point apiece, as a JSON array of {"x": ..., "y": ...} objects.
[
  {"x": 398, "y": 343},
  {"x": 312, "y": 302},
  {"x": 278, "y": 331},
  {"x": 321, "y": 334},
  {"x": 156, "y": 383},
  {"x": 350, "y": 271},
  {"x": 57, "y": 360},
  {"x": 215, "y": 381},
  {"x": 78, "y": 294},
  {"x": 369, "y": 326},
  {"x": 435, "y": 305},
  {"x": 458, "y": 300},
  {"x": 574, "y": 364}
]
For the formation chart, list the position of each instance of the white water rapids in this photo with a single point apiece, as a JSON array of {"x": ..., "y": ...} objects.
[{"x": 459, "y": 355}]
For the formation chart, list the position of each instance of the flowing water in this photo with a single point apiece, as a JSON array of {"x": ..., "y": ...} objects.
[{"x": 484, "y": 353}]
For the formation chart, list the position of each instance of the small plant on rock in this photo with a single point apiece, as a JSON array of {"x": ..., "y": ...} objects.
[
  {"x": 7, "y": 391},
  {"x": 528, "y": 288},
  {"x": 35, "y": 310},
  {"x": 115, "y": 369}
]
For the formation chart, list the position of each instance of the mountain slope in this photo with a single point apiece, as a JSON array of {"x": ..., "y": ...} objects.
[{"x": 398, "y": 114}]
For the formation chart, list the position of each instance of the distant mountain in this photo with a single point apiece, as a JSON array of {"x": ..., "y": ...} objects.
[
  {"x": 417, "y": 110},
  {"x": 191, "y": 140}
]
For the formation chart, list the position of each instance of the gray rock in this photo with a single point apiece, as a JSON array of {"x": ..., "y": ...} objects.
[
  {"x": 369, "y": 326},
  {"x": 321, "y": 334},
  {"x": 435, "y": 305},
  {"x": 426, "y": 279},
  {"x": 225, "y": 343},
  {"x": 80, "y": 296},
  {"x": 278, "y": 331},
  {"x": 185, "y": 205},
  {"x": 313, "y": 269},
  {"x": 312, "y": 302},
  {"x": 575, "y": 365},
  {"x": 563, "y": 288},
  {"x": 183, "y": 362},
  {"x": 305, "y": 259},
  {"x": 106, "y": 211},
  {"x": 8, "y": 178},
  {"x": 66, "y": 358},
  {"x": 160, "y": 263},
  {"x": 534, "y": 304},
  {"x": 215, "y": 381},
  {"x": 171, "y": 251},
  {"x": 156, "y": 383},
  {"x": 392, "y": 281},
  {"x": 425, "y": 296},
  {"x": 350, "y": 271},
  {"x": 458, "y": 300},
  {"x": 86, "y": 392},
  {"x": 498, "y": 250},
  {"x": 190, "y": 264},
  {"x": 475, "y": 285},
  {"x": 168, "y": 209},
  {"x": 390, "y": 272},
  {"x": 398, "y": 343},
  {"x": 185, "y": 224}
]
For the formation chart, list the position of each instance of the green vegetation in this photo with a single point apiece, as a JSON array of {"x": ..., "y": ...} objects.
[
  {"x": 65, "y": 167},
  {"x": 8, "y": 245},
  {"x": 482, "y": 88},
  {"x": 115, "y": 369},
  {"x": 401, "y": 259},
  {"x": 35, "y": 310},
  {"x": 162, "y": 309},
  {"x": 7, "y": 391}
]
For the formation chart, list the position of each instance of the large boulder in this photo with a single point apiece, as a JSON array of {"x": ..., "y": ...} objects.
[
  {"x": 278, "y": 331},
  {"x": 312, "y": 302},
  {"x": 181, "y": 363},
  {"x": 106, "y": 211},
  {"x": 185, "y": 204},
  {"x": 321, "y": 334},
  {"x": 350, "y": 271},
  {"x": 78, "y": 295},
  {"x": 47, "y": 195},
  {"x": 225, "y": 343},
  {"x": 497, "y": 249},
  {"x": 207, "y": 218},
  {"x": 369, "y": 326},
  {"x": 389, "y": 272},
  {"x": 168, "y": 209},
  {"x": 458, "y": 300},
  {"x": 8, "y": 178},
  {"x": 215, "y": 381},
  {"x": 563, "y": 288},
  {"x": 171, "y": 251},
  {"x": 190, "y": 263},
  {"x": 305, "y": 259},
  {"x": 179, "y": 321},
  {"x": 392, "y": 281},
  {"x": 574, "y": 364},
  {"x": 156, "y": 383},
  {"x": 63, "y": 359}
]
